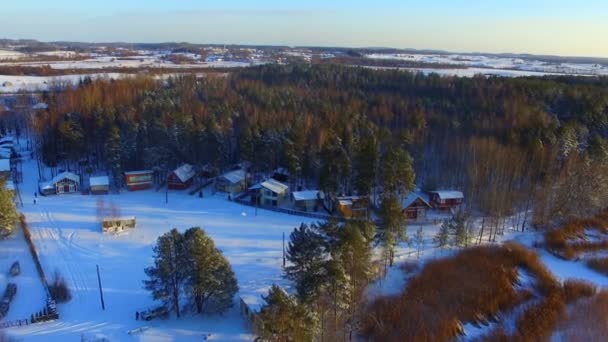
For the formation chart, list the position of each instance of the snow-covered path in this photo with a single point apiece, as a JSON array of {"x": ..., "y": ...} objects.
[{"x": 69, "y": 239}]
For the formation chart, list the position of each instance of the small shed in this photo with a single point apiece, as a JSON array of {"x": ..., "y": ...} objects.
[
  {"x": 10, "y": 186},
  {"x": 138, "y": 180},
  {"x": 181, "y": 178},
  {"x": 352, "y": 206},
  {"x": 232, "y": 182},
  {"x": 307, "y": 200},
  {"x": 63, "y": 183},
  {"x": 99, "y": 185},
  {"x": 415, "y": 206},
  {"x": 446, "y": 199},
  {"x": 117, "y": 224},
  {"x": 272, "y": 192}
]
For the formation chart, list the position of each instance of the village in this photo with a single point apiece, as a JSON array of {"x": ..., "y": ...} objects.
[{"x": 102, "y": 217}]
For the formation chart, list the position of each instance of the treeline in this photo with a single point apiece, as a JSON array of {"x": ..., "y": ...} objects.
[{"x": 510, "y": 144}]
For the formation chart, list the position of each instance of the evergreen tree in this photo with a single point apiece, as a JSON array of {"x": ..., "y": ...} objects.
[
  {"x": 393, "y": 226},
  {"x": 169, "y": 273},
  {"x": 366, "y": 157},
  {"x": 8, "y": 211},
  {"x": 306, "y": 254},
  {"x": 442, "y": 239},
  {"x": 113, "y": 153},
  {"x": 282, "y": 319},
  {"x": 419, "y": 240},
  {"x": 397, "y": 171},
  {"x": 211, "y": 282}
]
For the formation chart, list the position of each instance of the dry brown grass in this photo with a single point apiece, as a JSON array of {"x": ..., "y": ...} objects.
[
  {"x": 475, "y": 284},
  {"x": 568, "y": 240},
  {"x": 587, "y": 320},
  {"x": 599, "y": 264}
]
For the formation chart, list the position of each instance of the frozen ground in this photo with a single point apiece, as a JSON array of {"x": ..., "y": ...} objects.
[
  {"x": 501, "y": 66},
  {"x": 12, "y": 84},
  {"x": 68, "y": 238}
]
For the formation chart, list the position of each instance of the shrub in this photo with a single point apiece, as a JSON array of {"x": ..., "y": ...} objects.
[
  {"x": 586, "y": 321},
  {"x": 599, "y": 265},
  {"x": 59, "y": 290},
  {"x": 575, "y": 289},
  {"x": 474, "y": 285}
]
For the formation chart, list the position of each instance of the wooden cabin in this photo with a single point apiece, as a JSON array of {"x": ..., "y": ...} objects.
[
  {"x": 181, "y": 178},
  {"x": 99, "y": 185},
  {"x": 415, "y": 206},
  {"x": 446, "y": 199},
  {"x": 307, "y": 200},
  {"x": 138, "y": 180},
  {"x": 273, "y": 193},
  {"x": 232, "y": 182},
  {"x": 352, "y": 206},
  {"x": 63, "y": 183}
]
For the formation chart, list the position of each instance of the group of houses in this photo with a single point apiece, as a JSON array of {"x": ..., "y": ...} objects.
[
  {"x": 417, "y": 204},
  {"x": 7, "y": 155}
]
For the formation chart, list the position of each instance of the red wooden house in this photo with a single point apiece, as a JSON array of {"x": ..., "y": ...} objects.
[
  {"x": 181, "y": 178},
  {"x": 138, "y": 180},
  {"x": 446, "y": 199},
  {"x": 415, "y": 206}
]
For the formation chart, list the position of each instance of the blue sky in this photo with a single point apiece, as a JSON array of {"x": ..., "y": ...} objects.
[{"x": 575, "y": 27}]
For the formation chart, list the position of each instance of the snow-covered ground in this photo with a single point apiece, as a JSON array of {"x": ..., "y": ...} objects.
[
  {"x": 493, "y": 65},
  {"x": 69, "y": 239},
  {"x": 12, "y": 84}
]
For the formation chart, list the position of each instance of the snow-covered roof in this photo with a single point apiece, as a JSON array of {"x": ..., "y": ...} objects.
[
  {"x": 9, "y": 185},
  {"x": 65, "y": 175},
  {"x": 235, "y": 176},
  {"x": 99, "y": 181},
  {"x": 40, "y": 105},
  {"x": 7, "y": 140},
  {"x": 449, "y": 194},
  {"x": 274, "y": 186},
  {"x": 129, "y": 173},
  {"x": 412, "y": 197},
  {"x": 281, "y": 171},
  {"x": 5, "y": 165},
  {"x": 256, "y": 186},
  {"x": 184, "y": 172},
  {"x": 345, "y": 201},
  {"x": 307, "y": 195}
]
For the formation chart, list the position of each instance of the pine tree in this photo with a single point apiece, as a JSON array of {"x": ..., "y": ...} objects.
[
  {"x": 8, "y": 211},
  {"x": 112, "y": 150},
  {"x": 169, "y": 273},
  {"x": 365, "y": 163},
  {"x": 283, "y": 319},
  {"x": 419, "y": 240},
  {"x": 306, "y": 254},
  {"x": 211, "y": 282},
  {"x": 442, "y": 239},
  {"x": 393, "y": 226},
  {"x": 397, "y": 171}
]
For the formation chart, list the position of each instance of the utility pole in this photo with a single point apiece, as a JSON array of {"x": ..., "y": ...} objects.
[
  {"x": 103, "y": 305},
  {"x": 283, "y": 249}
]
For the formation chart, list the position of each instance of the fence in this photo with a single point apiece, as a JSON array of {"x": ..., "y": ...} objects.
[
  {"x": 32, "y": 247},
  {"x": 15, "y": 323},
  {"x": 239, "y": 200}
]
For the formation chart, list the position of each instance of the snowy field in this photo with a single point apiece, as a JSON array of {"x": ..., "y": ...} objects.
[
  {"x": 500, "y": 66},
  {"x": 13, "y": 84},
  {"x": 68, "y": 238}
]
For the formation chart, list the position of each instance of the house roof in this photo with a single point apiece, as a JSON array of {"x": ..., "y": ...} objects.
[
  {"x": 61, "y": 176},
  {"x": 345, "y": 201},
  {"x": 9, "y": 185},
  {"x": 130, "y": 173},
  {"x": 235, "y": 176},
  {"x": 5, "y": 153},
  {"x": 307, "y": 195},
  {"x": 184, "y": 172},
  {"x": 412, "y": 197},
  {"x": 99, "y": 181},
  {"x": 5, "y": 165},
  {"x": 449, "y": 194},
  {"x": 274, "y": 185}
]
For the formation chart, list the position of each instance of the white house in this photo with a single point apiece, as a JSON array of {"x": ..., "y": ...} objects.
[{"x": 273, "y": 192}]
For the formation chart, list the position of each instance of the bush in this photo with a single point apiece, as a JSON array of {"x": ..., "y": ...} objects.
[
  {"x": 586, "y": 321},
  {"x": 568, "y": 240},
  {"x": 472, "y": 286},
  {"x": 575, "y": 289},
  {"x": 599, "y": 265},
  {"x": 59, "y": 290}
]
